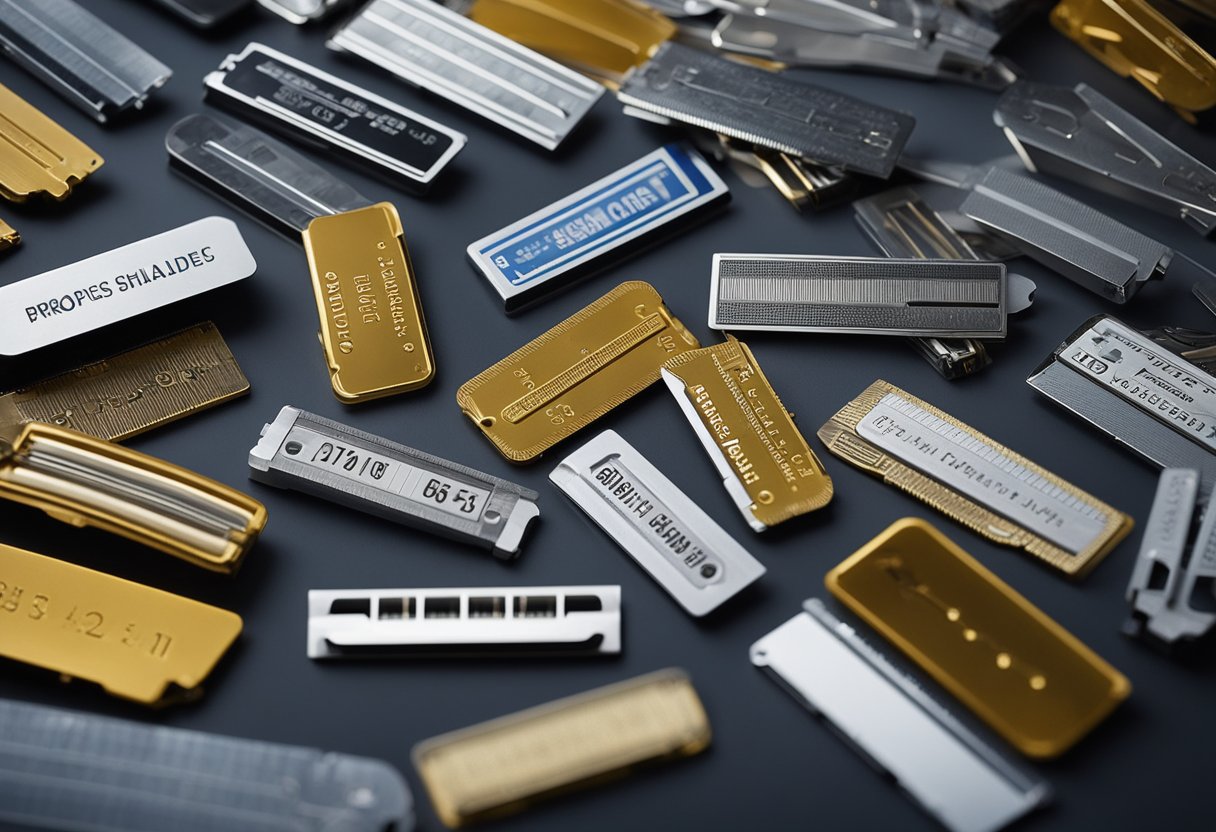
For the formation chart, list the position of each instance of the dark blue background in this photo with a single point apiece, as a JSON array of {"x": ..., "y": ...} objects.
[{"x": 771, "y": 765}]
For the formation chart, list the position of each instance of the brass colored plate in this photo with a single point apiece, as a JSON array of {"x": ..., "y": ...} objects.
[
  {"x": 995, "y": 492},
  {"x": 372, "y": 328},
  {"x": 1026, "y": 676},
  {"x": 135, "y": 641},
  {"x": 9, "y": 236},
  {"x": 134, "y": 391},
  {"x": 37, "y": 156},
  {"x": 605, "y": 38},
  {"x": 576, "y": 372},
  {"x": 1135, "y": 40},
  {"x": 86, "y": 481},
  {"x": 743, "y": 422},
  {"x": 504, "y": 765}
]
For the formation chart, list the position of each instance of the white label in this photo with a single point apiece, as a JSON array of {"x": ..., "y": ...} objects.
[
  {"x": 975, "y": 469},
  {"x": 1163, "y": 385},
  {"x": 119, "y": 284},
  {"x": 392, "y": 475}
]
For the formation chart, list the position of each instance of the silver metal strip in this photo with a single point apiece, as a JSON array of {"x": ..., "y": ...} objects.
[
  {"x": 82, "y": 58},
  {"x": 305, "y": 452},
  {"x": 498, "y": 621},
  {"x": 767, "y": 109},
  {"x": 859, "y": 295},
  {"x": 1082, "y": 135},
  {"x": 669, "y": 536},
  {"x": 429, "y": 46},
  {"x": 258, "y": 174},
  {"x": 67, "y": 770},
  {"x": 951, "y": 772},
  {"x": 301, "y": 12}
]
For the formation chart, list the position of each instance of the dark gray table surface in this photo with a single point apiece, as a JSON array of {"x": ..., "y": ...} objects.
[{"x": 771, "y": 765}]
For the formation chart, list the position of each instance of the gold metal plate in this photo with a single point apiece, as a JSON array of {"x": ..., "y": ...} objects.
[
  {"x": 744, "y": 422},
  {"x": 372, "y": 328},
  {"x": 1022, "y": 673},
  {"x": 134, "y": 391},
  {"x": 90, "y": 482},
  {"x": 135, "y": 641},
  {"x": 503, "y": 765},
  {"x": 1135, "y": 40},
  {"x": 604, "y": 38},
  {"x": 9, "y": 236},
  {"x": 37, "y": 156},
  {"x": 576, "y": 372},
  {"x": 994, "y": 491}
]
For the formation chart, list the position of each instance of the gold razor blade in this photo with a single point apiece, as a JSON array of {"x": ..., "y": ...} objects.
[
  {"x": 1022, "y": 673},
  {"x": 372, "y": 329},
  {"x": 37, "y": 156},
  {"x": 9, "y": 236},
  {"x": 135, "y": 641},
  {"x": 134, "y": 391},
  {"x": 766, "y": 465},
  {"x": 967, "y": 476},
  {"x": 576, "y": 372},
  {"x": 86, "y": 481},
  {"x": 1134, "y": 39},
  {"x": 603, "y": 38},
  {"x": 506, "y": 764}
]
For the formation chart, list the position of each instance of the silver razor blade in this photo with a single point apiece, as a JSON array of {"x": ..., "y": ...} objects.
[
  {"x": 1172, "y": 569},
  {"x": 686, "y": 85},
  {"x": 669, "y": 536},
  {"x": 1142, "y": 394},
  {"x": 1088, "y": 247},
  {"x": 920, "y": 39},
  {"x": 858, "y": 295},
  {"x": 86, "y": 61},
  {"x": 322, "y": 111},
  {"x": 467, "y": 621},
  {"x": 67, "y": 770},
  {"x": 258, "y": 174},
  {"x": 429, "y": 46},
  {"x": 1082, "y": 135},
  {"x": 949, "y": 770},
  {"x": 304, "y": 452}
]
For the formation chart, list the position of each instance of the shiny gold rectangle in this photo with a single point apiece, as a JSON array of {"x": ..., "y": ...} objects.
[
  {"x": 85, "y": 481},
  {"x": 568, "y": 377},
  {"x": 750, "y": 431},
  {"x": 37, "y": 156},
  {"x": 1026, "y": 676},
  {"x": 1135, "y": 40},
  {"x": 372, "y": 328},
  {"x": 506, "y": 764},
  {"x": 604, "y": 38},
  {"x": 9, "y": 237},
  {"x": 840, "y": 435},
  {"x": 136, "y": 390},
  {"x": 135, "y": 641}
]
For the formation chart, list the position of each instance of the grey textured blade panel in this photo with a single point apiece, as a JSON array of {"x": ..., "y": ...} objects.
[
  {"x": 767, "y": 109},
  {"x": 870, "y": 295},
  {"x": 1066, "y": 235},
  {"x": 1082, "y": 135},
  {"x": 66, "y": 770},
  {"x": 96, "y": 68},
  {"x": 429, "y": 46},
  {"x": 257, "y": 173}
]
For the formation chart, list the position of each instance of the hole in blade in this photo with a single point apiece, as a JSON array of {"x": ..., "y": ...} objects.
[
  {"x": 441, "y": 608},
  {"x": 351, "y": 606},
  {"x": 392, "y": 608},
  {"x": 583, "y": 603},
  {"x": 487, "y": 607},
  {"x": 536, "y": 606}
]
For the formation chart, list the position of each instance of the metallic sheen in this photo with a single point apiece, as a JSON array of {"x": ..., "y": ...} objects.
[
  {"x": 566, "y": 378},
  {"x": 1019, "y": 671},
  {"x": 37, "y": 156},
  {"x": 994, "y": 491},
  {"x": 372, "y": 328},
  {"x": 134, "y": 641},
  {"x": 508, "y": 763},
  {"x": 767, "y": 467}
]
